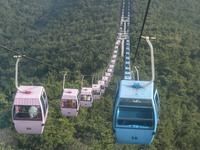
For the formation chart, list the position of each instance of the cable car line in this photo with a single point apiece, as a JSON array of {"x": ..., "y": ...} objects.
[
  {"x": 31, "y": 103},
  {"x": 135, "y": 114},
  {"x": 29, "y": 58},
  {"x": 38, "y": 61},
  {"x": 138, "y": 44}
]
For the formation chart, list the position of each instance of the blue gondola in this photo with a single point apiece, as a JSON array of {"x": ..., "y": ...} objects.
[
  {"x": 127, "y": 50},
  {"x": 127, "y": 58},
  {"x": 128, "y": 53},
  {"x": 127, "y": 78},
  {"x": 136, "y": 109},
  {"x": 127, "y": 73},
  {"x": 127, "y": 63},
  {"x": 127, "y": 68},
  {"x": 136, "y": 113}
]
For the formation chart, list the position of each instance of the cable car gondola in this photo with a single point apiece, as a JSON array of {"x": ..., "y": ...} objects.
[
  {"x": 136, "y": 110},
  {"x": 117, "y": 42},
  {"x": 127, "y": 63},
  {"x": 115, "y": 52},
  {"x": 102, "y": 85},
  {"x": 127, "y": 58},
  {"x": 69, "y": 103},
  {"x": 96, "y": 89},
  {"x": 127, "y": 49},
  {"x": 30, "y": 107},
  {"x": 106, "y": 80},
  {"x": 127, "y": 73},
  {"x": 127, "y": 77},
  {"x": 109, "y": 70},
  {"x": 126, "y": 68},
  {"x": 114, "y": 56},
  {"x": 113, "y": 61},
  {"x": 127, "y": 54},
  {"x": 111, "y": 66},
  {"x": 109, "y": 75},
  {"x": 86, "y": 96}
]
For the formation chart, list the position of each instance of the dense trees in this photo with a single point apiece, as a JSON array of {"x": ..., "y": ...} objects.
[
  {"x": 64, "y": 34},
  {"x": 177, "y": 71}
]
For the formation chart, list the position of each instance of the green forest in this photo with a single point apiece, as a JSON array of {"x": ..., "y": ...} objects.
[{"x": 78, "y": 36}]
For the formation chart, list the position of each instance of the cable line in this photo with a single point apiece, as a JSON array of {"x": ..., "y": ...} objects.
[
  {"x": 32, "y": 59},
  {"x": 141, "y": 30}
]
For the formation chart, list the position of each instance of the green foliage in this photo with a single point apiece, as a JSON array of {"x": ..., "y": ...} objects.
[
  {"x": 63, "y": 33},
  {"x": 3, "y": 103}
]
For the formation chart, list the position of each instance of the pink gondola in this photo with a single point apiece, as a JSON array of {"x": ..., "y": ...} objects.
[
  {"x": 102, "y": 85},
  {"x": 96, "y": 89},
  {"x": 113, "y": 61},
  {"x": 114, "y": 56},
  {"x": 69, "y": 104},
  {"x": 104, "y": 78},
  {"x": 109, "y": 75},
  {"x": 30, "y": 108},
  {"x": 111, "y": 66},
  {"x": 118, "y": 42},
  {"x": 115, "y": 52},
  {"x": 86, "y": 97},
  {"x": 110, "y": 70}
]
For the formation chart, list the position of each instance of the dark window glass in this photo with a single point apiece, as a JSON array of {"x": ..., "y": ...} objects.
[
  {"x": 69, "y": 104},
  {"x": 45, "y": 100},
  {"x": 96, "y": 92},
  {"x": 86, "y": 97},
  {"x": 135, "y": 117},
  {"x": 43, "y": 105},
  {"x": 22, "y": 112}
]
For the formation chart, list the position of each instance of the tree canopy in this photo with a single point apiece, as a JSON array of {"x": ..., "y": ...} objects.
[{"x": 79, "y": 36}]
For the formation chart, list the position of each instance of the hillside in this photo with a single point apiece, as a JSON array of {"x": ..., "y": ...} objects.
[{"x": 79, "y": 37}]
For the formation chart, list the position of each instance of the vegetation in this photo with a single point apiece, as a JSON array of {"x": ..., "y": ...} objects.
[{"x": 65, "y": 35}]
